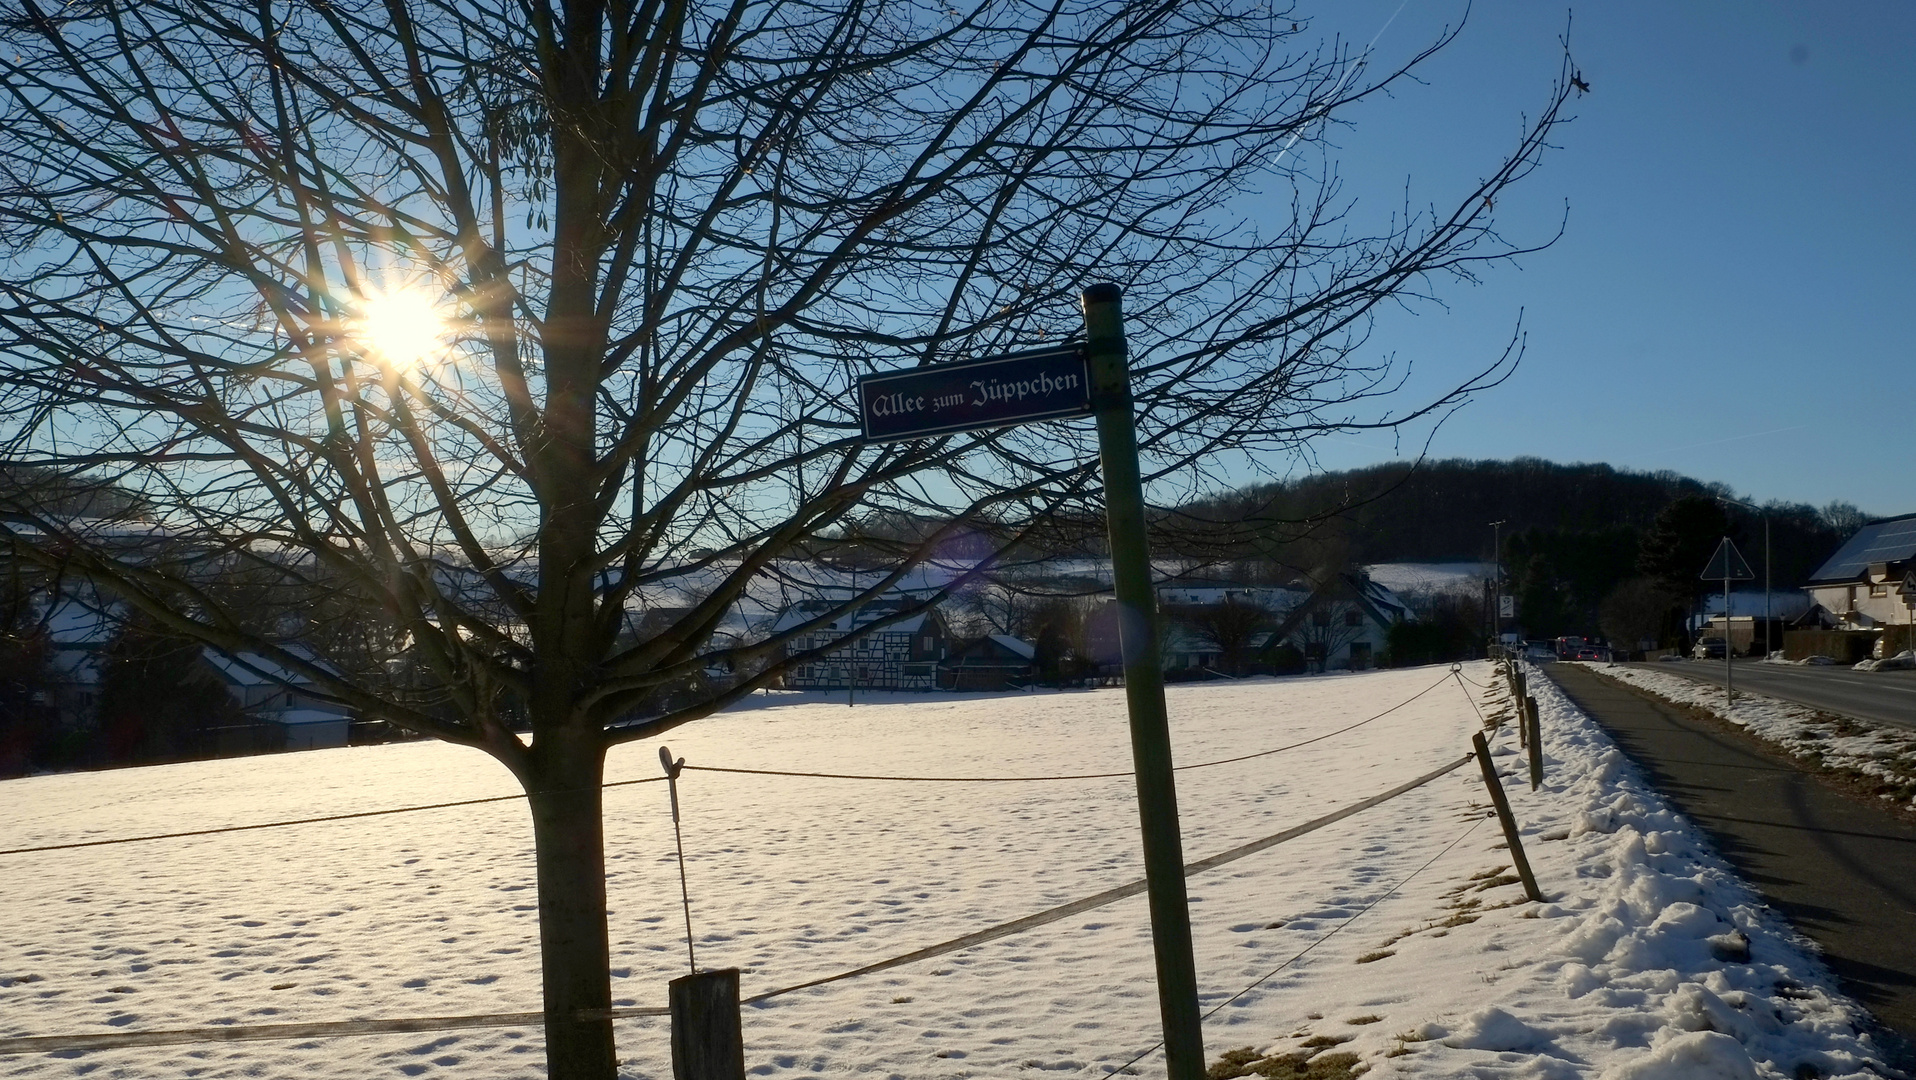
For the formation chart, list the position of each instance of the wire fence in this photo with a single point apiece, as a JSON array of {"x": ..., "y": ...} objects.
[
  {"x": 228, "y": 1033},
  {"x": 519, "y": 797}
]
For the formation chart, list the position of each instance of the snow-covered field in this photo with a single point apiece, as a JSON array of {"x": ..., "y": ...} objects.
[
  {"x": 432, "y": 914},
  {"x": 1461, "y": 577},
  {"x": 1836, "y": 742}
]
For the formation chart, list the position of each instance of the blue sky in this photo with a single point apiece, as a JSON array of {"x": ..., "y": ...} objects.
[{"x": 1734, "y": 295}]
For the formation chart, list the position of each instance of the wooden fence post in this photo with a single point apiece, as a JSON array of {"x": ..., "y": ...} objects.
[
  {"x": 1536, "y": 741},
  {"x": 1503, "y": 816},
  {"x": 707, "y": 1043}
]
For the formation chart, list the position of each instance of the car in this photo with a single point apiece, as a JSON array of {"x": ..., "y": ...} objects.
[
  {"x": 1710, "y": 648},
  {"x": 1588, "y": 653},
  {"x": 1539, "y": 652}
]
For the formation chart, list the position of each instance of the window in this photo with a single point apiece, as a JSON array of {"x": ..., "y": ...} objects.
[
  {"x": 1879, "y": 590},
  {"x": 1321, "y": 617},
  {"x": 1353, "y": 618}
]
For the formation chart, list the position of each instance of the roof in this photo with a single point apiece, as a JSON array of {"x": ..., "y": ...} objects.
[
  {"x": 1023, "y": 648},
  {"x": 252, "y": 669},
  {"x": 1888, "y": 541},
  {"x": 78, "y": 624},
  {"x": 805, "y": 611}
]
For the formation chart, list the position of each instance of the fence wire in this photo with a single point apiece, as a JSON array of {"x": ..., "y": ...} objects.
[
  {"x": 237, "y": 1033},
  {"x": 715, "y": 769}
]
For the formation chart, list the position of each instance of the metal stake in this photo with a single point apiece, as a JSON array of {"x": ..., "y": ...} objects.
[{"x": 685, "y": 896}]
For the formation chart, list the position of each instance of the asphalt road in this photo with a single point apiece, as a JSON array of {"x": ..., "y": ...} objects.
[
  {"x": 1842, "y": 870},
  {"x": 1887, "y": 697}
]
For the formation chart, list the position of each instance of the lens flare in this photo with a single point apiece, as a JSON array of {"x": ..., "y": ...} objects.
[{"x": 402, "y": 328}]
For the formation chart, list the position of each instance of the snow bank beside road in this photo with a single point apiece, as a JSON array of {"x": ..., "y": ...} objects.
[
  {"x": 1820, "y": 738},
  {"x": 1401, "y": 937}
]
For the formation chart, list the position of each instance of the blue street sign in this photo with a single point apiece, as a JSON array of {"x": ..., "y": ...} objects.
[{"x": 1044, "y": 384}]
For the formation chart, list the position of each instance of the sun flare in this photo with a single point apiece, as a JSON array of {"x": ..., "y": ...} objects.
[{"x": 402, "y": 327}]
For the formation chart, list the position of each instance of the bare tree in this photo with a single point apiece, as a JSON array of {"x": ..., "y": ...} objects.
[
  {"x": 1231, "y": 626},
  {"x": 491, "y": 317}
]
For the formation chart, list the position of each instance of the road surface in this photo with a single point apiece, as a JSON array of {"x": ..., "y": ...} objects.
[
  {"x": 1841, "y": 869},
  {"x": 1887, "y": 697}
]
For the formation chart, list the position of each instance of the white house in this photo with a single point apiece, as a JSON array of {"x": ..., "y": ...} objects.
[
  {"x": 1344, "y": 624},
  {"x": 1862, "y": 584},
  {"x": 270, "y": 693}
]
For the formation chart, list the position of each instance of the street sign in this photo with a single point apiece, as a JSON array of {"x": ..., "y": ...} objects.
[
  {"x": 1727, "y": 563},
  {"x": 1043, "y": 384},
  {"x": 1909, "y": 590},
  {"x": 1506, "y": 607}
]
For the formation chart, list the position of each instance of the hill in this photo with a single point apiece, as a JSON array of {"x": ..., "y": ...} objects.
[{"x": 1571, "y": 534}]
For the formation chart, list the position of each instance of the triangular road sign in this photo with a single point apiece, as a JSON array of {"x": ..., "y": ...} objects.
[{"x": 1726, "y": 563}]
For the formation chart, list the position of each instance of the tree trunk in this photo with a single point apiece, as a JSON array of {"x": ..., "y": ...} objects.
[{"x": 569, "y": 840}]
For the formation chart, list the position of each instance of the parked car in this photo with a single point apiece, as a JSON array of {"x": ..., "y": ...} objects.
[
  {"x": 1710, "y": 648},
  {"x": 1539, "y": 652}
]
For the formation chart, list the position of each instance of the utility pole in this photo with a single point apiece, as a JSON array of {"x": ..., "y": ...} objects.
[{"x": 1497, "y": 610}]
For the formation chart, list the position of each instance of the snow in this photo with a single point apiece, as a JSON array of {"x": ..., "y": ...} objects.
[
  {"x": 1461, "y": 577},
  {"x": 1423, "y": 959},
  {"x": 1830, "y": 741}
]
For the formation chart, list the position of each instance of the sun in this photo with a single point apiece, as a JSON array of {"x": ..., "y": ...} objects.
[{"x": 402, "y": 327}]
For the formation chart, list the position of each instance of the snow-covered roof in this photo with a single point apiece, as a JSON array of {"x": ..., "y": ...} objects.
[
  {"x": 75, "y": 623},
  {"x": 801, "y": 613},
  {"x": 1017, "y": 645},
  {"x": 252, "y": 669}
]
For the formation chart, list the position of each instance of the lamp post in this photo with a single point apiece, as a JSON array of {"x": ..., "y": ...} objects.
[{"x": 1497, "y": 587}]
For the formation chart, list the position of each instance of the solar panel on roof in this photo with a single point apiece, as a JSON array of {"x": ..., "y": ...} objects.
[{"x": 1883, "y": 542}]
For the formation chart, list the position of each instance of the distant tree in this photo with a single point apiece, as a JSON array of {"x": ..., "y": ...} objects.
[
  {"x": 1844, "y": 518},
  {"x": 1675, "y": 551},
  {"x": 1061, "y": 652},
  {"x": 1560, "y": 576},
  {"x": 28, "y": 729},
  {"x": 1449, "y": 626},
  {"x": 1231, "y": 626},
  {"x": 1680, "y": 542},
  {"x": 506, "y": 313},
  {"x": 1635, "y": 612},
  {"x": 158, "y": 700}
]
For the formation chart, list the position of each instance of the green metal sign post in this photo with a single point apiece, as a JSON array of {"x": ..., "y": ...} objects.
[
  {"x": 1144, "y": 682},
  {"x": 1048, "y": 384}
]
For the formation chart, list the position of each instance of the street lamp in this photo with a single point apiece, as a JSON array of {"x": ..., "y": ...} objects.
[
  {"x": 1497, "y": 589},
  {"x": 1727, "y": 619}
]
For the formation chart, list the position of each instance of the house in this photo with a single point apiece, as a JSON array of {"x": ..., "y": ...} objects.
[
  {"x": 1344, "y": 624},
  {"x": 1861, "y": 586},
  {"x": 295, "y": 717},
  {"x": 901, "y": 655},
  {"x": 992, "y": 662},
  {"x": 78, "y": 632}
]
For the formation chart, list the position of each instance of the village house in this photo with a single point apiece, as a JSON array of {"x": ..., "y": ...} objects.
[
  {"x": 1344, "y": 624},
  {"x": 992, "y": 662},
  {"x": 902, "y": 655},
  {"x": 1861, "y": 586}
]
